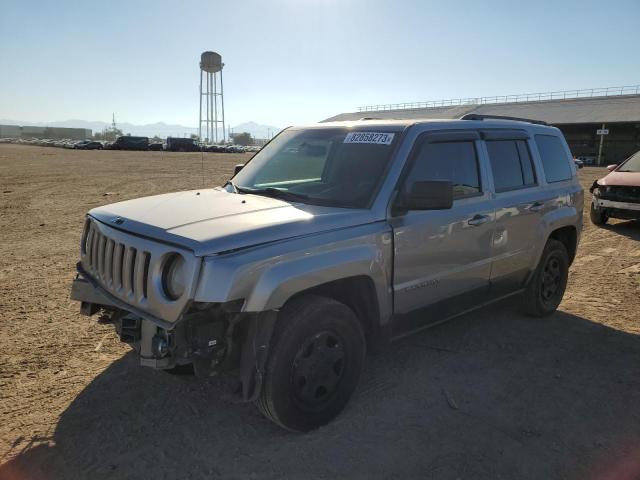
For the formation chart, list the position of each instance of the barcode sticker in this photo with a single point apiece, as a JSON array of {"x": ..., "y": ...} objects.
[{"x": 369, "y": 137}]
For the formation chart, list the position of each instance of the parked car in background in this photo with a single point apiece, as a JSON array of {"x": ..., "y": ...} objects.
[
  {"x": 128, "y": 142},
  {"x": 177, "y": 144},
  {"x": 617, "y": 195},
  {"x": 88, "y": 145},
  {"x": 579, "y": 163},
  {"x": 587, "y": 159},
  {"x": 80, "y": 145},
  {"x": 215, "y": 148},
  {"x": 156, "y": 147},
  {"x": 334, "y": 237}
]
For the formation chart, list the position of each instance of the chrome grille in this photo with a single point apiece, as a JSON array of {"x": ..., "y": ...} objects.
[
  {"x": 118, "y": 267},
  {"x": 129, "y": 267}
]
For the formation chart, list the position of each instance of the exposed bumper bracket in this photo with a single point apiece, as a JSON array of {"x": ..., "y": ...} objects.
[
  {"x": 85, "y": 289},
  {"x": 619, "y": 205}
]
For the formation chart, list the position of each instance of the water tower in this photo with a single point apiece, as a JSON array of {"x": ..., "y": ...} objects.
[{"x": 212, "y": 97}]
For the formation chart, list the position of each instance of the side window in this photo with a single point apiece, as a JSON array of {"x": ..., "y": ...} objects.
[
  {"x": 554, "y": 158},
  {"x": 453, "y": 161},
  {"x": 526, "y": 162},
  {"x": 511, "y": 164}
]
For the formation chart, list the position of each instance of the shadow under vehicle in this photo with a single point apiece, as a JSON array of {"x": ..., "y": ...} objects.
[{"x": 492, "y": 395}]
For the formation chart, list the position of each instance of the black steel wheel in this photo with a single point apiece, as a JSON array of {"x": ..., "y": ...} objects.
[
  {"x": 547, "y": 285},
  {"x": 317, "y": 370},
  {"x": 315, "y": 359},
  {"x": 551, "y": 279}
]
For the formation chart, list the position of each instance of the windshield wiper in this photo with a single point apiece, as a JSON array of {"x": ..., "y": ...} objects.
[
  {"x": 233, "y": 185},
  {"x": 273, "y": 192}
]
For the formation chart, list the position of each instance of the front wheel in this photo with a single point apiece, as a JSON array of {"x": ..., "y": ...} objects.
[
  {"x": 314, "y": 364},
  {"x": 598, "y": 215},
  {"x": 546, "y": 288}
]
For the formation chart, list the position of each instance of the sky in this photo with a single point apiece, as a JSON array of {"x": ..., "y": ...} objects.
[{"x": 289, "y": 62}]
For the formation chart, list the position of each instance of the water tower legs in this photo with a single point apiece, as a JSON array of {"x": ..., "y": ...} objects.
[{"x": 211, "y": 64}]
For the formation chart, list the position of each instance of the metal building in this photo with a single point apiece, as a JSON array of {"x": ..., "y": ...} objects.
[
  {"x": 580, "y": 114},
  {"x": 9, "y": 131},
  {"x": 213, "y": 97},
  {"x": 28, "y": 131}
]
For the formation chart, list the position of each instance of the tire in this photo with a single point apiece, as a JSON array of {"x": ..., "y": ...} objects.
[
  {"x": 315, "y": 359},
  {"x": 598, "y": 216},
  {"x": 546, "y": 288}
]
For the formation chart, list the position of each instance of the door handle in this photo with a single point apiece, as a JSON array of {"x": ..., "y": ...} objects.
[
  {"x": 478, "y": 220},
  {"x": 535, "y": 206}
]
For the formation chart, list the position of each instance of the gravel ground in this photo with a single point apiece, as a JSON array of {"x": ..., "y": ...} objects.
[{"x": 489, "y": 395}]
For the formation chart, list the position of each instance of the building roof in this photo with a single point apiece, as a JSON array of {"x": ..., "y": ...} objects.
[{"x": 610, "y": 109}]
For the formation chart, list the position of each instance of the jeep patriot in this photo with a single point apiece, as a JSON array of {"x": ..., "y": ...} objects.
[{"x": 334, "y": 238}]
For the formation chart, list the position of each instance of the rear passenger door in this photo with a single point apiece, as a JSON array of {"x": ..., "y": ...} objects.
[{"x": 519, "y": 205}]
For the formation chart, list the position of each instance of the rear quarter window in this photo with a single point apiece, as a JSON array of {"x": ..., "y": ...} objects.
[{"x": 555, "y": 161}]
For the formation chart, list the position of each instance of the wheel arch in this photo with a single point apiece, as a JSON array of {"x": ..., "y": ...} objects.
[
  {"x": 356, "y": 276},
  {"x": 563, "y": 224},
  {"x": 568, "y": 236},
  {"x": 356, "y": 292}
]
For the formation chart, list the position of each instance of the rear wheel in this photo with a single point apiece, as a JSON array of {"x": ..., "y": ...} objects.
[
  {"x": 598, "y": 215},
  {"x": 546, "y": 288},
  {"x": 314, "y": 364}
]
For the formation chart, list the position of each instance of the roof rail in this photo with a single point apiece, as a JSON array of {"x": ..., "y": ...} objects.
[
  {"x": 477, "y": 116},
  {"x": 370, "y": 118}
]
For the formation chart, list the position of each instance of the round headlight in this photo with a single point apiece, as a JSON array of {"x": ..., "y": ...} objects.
[{"x": 173, "y": 277}]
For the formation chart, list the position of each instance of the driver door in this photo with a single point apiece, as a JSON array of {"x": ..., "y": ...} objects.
[{"x": 442, "y": 258}]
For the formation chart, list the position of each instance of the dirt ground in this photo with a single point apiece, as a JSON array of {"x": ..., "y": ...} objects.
[{"x": 490, "y": 395}]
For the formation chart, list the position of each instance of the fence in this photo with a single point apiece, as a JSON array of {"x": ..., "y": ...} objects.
[{"x": 523, "y": 97}]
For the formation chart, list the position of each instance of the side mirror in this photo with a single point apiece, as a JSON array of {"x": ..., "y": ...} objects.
[
  {"x": 237, "y": 168},
  {"x": 430, "y": 195},
  {"x": 611, "y": 168}
]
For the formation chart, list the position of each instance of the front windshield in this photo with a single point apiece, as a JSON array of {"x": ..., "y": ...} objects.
[
  {"x": 632, "y": 164},
  {"x": 327, "y": 166}
]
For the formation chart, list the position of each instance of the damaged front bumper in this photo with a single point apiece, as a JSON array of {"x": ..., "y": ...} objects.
[
  {"x": 604, "y": 203},
  {"x": 198, "y": 338},
  {"x": 616, "y": 209},
  {"x": 617, "y": 201},
  {"x": 212, "y": 337}
]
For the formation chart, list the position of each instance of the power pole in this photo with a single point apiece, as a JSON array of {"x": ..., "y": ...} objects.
[{"x": 602, "y": 134}]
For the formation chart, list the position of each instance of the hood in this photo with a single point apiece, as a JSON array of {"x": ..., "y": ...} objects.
[
  {"x": 213, "y": 220},
  {"x": 621, "y": 179}
]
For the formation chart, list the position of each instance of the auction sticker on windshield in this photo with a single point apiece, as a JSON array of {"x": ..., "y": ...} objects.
[{"x": 369, "y": 137}]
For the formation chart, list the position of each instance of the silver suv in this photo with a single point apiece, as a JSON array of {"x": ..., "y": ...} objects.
[{"x": 334, "y": 238}]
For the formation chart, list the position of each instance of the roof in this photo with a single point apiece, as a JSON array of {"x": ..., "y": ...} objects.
[{"x": 612, "y": 109}]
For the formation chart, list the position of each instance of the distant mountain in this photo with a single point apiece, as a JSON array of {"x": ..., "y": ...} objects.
[{"x": 160, "y": 129}]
